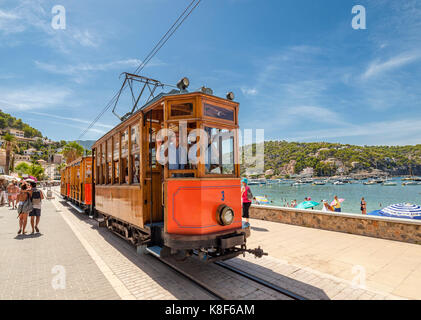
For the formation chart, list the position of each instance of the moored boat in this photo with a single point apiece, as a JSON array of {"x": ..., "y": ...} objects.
[
  {"x": 410, "y": 183},
  {"x": 389, "y": 184}
]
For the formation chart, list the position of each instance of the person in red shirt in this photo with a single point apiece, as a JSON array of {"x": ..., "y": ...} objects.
[{"x": 246, "y": 198}]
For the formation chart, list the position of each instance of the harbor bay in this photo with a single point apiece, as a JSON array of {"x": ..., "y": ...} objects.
[{"x": 377, "y": 196}]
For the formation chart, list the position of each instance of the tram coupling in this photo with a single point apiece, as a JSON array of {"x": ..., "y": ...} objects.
[{"x": 258, "y": 252}]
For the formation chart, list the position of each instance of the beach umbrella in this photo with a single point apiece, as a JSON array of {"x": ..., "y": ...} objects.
[
  {"x": 6, "y": 177},
  {"x": 340, "y": 201},
  {"x": 307, "y": 205},
  {"x": 29, "y": 180},
  {"x": 402, "y": 210},
  {"x": 33, "y": 178},
  {"x": 262, "y": 199}
]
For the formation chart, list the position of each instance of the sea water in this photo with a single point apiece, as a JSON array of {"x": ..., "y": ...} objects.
[{"x": 376, "y": 196}]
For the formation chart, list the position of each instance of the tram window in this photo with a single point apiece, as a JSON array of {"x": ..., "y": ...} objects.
[
  {"x": 116, "y": 158},
  {"x": 219, "y": 157},
  {"x": 136, "y": 168},
  {"x": 135, "y": 154},
  {"x": 180, "y": 151},
  {"x": 88, "y": 171},
  {"x": 125, "y": 156},
  {"x": 152, "y": 148},
  {"x": 109, "y": 160},
  {"x": 97, "y": 166},
  {"x": 218, "y": 112},
  {"x": 124, "y": 170},
  {"x": 181, "y": 109},
  {"x": 103, "y": 164}
]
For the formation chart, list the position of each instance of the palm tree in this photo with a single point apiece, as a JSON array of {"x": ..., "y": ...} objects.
[
  {"x": 9, "y": 144},
  {"x": 72, "y": 151}
]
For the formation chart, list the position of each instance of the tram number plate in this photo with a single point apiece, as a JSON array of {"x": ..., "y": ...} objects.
[{"x": 232, "y": 241}]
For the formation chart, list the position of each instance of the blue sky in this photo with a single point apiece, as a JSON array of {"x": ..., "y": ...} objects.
[{"x": 297, "y": 67}]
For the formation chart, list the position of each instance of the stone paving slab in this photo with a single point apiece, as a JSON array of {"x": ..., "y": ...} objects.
[
  {"x": 143, "y": 277},
  {"x": 31, "y": 264},
  {"x": 386, "y": 269}
]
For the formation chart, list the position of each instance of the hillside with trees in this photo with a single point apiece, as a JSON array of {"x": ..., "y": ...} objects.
[
  {"x": 8, "y": 121},
  {"x": 327, "y": 159}
]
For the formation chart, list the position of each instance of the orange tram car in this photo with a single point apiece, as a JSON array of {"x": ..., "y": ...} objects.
[
  {"x": 182, "y": 210},
  {"x": 76, "y": 182}
]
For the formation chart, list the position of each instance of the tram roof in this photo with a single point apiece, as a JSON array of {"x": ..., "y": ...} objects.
[{"x": 160, "y": 96}]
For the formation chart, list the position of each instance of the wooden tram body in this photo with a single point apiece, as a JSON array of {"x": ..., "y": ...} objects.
[
  {"x": 76, "y": 182},
  {"x": 150, "y": 204}
]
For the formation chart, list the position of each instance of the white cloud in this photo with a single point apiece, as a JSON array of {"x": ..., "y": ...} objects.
[
  {"x": 399, "y": 132},
  {"x": 377, "y": 67},
  {"x": 85, "y": 38},
  {"x": 78, "y": 120},
  {"x": 249, "y": 91},
  {"x": 313, "y": 112},
  {"x": 87, "y": 67},
  {"x": 32, "y": 98},
  {"x": 35, "y": 15}
]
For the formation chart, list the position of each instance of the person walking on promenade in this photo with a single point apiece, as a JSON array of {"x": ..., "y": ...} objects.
[
  {"x": 15, "y": 192},
  {"x": 24, "y": 207},
  {"x": 363, "y": 206},
  {"x": 9, "y": 190},
  {"x": 246, "y": 198},
  {"x": 3, "y": 194},
  {"x": 337, "y": 205},
  {"x": 36, "y": 196}
]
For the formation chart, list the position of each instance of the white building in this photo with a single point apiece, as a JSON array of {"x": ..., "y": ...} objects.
[
  {"x": 52, "y": 172},
  {"x": 307, "y": 172},
  {"x": 30, "y": 151}
]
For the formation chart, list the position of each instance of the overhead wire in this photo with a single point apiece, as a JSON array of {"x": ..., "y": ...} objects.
[{"x": 164, "y": 39}]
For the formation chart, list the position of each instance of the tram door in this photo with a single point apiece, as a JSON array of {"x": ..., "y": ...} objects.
[{"x": 153, "y": 174}]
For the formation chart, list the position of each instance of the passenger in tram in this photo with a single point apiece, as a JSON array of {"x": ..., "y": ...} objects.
[{"x": 177, "y": 155}]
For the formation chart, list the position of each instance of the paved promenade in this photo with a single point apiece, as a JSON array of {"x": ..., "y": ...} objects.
[
  {"x": 99, "y": 265},
  {"x": 31, "y": 266},
  {"x": 384, "y": 267}
]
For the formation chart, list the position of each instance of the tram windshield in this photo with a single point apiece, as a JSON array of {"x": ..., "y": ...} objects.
[
  {"x": 219, "y": 156},
  {"x": 179, "y": 151}
]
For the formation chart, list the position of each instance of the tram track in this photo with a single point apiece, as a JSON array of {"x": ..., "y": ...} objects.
[
  {"x": 264, "y": 283},
  {"x": 178, "y": 268}
]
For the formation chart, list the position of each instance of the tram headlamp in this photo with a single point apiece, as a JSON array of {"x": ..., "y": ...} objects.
[
  {"x": 183, "y": 84},
  {"x": 230, "y": 96},
  {"x": 225, "y": 215}
]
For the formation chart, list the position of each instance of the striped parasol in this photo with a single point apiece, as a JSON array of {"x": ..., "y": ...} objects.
[
  {"x": 402, "y": 210},
  {"x": 262, "y": 199}
]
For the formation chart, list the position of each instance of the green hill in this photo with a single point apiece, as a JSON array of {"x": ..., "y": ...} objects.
[
  {"x": 87, "y": 144},
  {"x": 327, "y": 159},
  {"x": 8, "y": 121}
]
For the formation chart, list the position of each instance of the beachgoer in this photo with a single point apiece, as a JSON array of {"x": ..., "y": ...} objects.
[
  {"x": 36, "y": 196},
  {"x": 324, "y": 206},
  {"x": 246, "y": 198},
  {"x": 9, "y": 190},
  {"x": 363, "y": 206},
  {"x": 15, "y": 192},
  {"x": 3, "y": 194},
  {"x": 24, "y": 207},
  {"x": 337, "y": 205}
]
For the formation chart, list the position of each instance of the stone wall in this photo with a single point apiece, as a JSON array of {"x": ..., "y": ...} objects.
[{"x": 379, "y": 227}]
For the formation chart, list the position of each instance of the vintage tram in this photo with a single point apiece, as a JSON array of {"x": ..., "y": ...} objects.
[
  {"x": 76, "y": 182},
  {"x": 191, "y": 207}
]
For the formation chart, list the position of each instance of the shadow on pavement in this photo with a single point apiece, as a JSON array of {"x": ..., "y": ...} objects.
[
  {"x": 259, "y": 229},
  {"x": 28, "y": 235},
  {"x": 161, "y": 273},
  {"x": 149, "y": 265}
]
